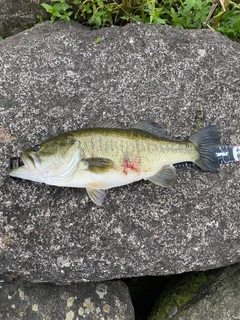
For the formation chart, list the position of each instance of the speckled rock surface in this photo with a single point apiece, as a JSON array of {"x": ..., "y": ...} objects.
[
  {"x": 53, "y": 78},
  {"x": 106, "y": 300},
  {"x": 18, "y": 15},
  {"x": 217, "y": 297}
]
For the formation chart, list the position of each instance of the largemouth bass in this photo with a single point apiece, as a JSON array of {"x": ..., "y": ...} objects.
[{"x": 108, "y": 156}]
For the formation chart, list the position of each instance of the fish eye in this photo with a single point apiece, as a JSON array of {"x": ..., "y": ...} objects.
[{"x": 36, "y": 148}]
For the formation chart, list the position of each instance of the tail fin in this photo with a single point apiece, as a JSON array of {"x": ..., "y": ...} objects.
[{"x": 206, "y": 139}]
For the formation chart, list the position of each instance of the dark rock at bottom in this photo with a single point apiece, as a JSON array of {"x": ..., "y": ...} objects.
[
  {"x": 212, "y": 294},
  {"x": 103, "y": 300}
]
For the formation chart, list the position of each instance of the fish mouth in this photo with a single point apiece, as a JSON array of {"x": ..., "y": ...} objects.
[
  {"x": 15, "y": 162},
  {"x": 23, "y": 166},
  {"x": 28, "y": 161}
]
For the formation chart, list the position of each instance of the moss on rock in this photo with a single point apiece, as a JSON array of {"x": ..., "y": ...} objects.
[{"x": 177, "y": 294}]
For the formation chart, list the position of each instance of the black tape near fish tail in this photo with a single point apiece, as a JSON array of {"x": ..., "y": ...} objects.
[
  {"x": 228, "y": 153},
  {"x": 206, "y": 140},
  {"x": 224, "y": 153},
  {"x": 184, "y": 164}
]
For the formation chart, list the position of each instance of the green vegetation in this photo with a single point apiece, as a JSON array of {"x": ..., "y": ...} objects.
[
  {"x": 58, "y": 10},
  {"x": 96, "y": 41},
  {"x": 228, "y": 22},
  {"x": 190, "y": 14},
  {"x": 1, "y": 38}
]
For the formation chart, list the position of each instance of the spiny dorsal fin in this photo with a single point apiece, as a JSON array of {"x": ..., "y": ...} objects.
[
  {"x": 107, "y": 124},
  {"x": 98, "y": 165},
  {"x": 165, "y": 177},
  {"x": 151, "y": 127},
  {"x": 96, "y": 195}
]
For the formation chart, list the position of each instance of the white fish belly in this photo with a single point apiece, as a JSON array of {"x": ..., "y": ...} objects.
[{"x": 99, "y": 181}]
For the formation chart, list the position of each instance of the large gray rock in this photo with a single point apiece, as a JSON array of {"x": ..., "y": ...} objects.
[
  {"x": 53, "y": 79},
  {"x": 211, "y": 295},
  {"x": 93, "y": 301},
  {"x": 18, "y": 15}
]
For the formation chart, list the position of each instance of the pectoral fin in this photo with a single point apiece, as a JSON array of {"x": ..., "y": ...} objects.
[
  {"x": 98, "y": 165},
  {"x": 165, "y": 177},
  {"x": 96, "y": 195}
]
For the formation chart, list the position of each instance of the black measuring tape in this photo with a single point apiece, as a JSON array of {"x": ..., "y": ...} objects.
[{"x": 225, "y": 154}]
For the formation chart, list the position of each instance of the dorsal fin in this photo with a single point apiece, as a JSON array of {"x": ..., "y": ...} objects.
[
  {"x": 151, "y": 127},
  {"x": 107, "y": 124}
]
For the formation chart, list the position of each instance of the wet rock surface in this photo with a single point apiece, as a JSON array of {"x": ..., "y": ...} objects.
[{"x": 53, "y": 79}]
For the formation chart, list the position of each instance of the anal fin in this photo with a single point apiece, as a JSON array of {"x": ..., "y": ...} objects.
[
  {"x": 165, "y": 177},
  {"x": 96, "y": 195}
]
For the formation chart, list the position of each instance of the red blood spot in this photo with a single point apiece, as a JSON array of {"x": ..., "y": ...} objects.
[{"x": 131, "y": 165}]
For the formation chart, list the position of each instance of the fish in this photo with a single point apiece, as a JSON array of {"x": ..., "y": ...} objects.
[{"x": 107, "y": 156}]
